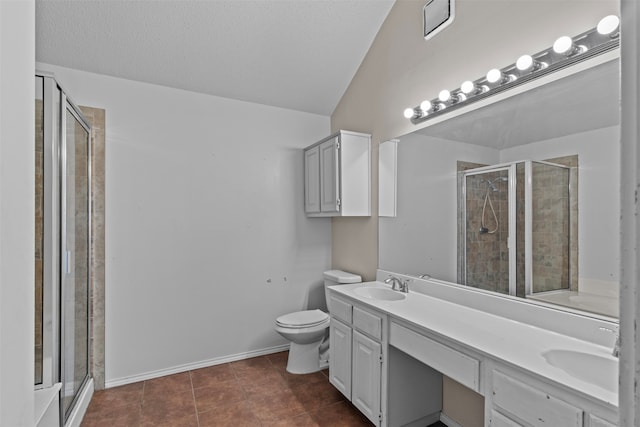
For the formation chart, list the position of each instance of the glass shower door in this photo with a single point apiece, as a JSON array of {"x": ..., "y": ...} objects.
[
  {"x": 75, "y": 258},
  {"x": 550, "y": 236},
  {"x": 489, "y": 229}
]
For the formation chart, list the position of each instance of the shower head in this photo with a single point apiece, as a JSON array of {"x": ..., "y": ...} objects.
[{"x": 492, "y": 186}]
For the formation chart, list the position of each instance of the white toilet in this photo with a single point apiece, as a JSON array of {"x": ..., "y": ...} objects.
[{"x": 308, "y": 330}]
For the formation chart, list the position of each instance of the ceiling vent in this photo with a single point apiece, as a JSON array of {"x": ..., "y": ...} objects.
[{"x": 437, "y": 15}]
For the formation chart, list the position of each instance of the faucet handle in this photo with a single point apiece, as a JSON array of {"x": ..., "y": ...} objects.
[{"x": 616, "y": 346}]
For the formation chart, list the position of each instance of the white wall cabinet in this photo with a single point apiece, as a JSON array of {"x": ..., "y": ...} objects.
[
  {"x": 337, "y": 173},
  {"x": 312, "y": 179}
]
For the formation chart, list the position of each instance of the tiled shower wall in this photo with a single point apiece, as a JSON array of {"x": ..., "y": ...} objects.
[
  {"x": 96, "y": 118},
  {"x": 39, "y": 238}
]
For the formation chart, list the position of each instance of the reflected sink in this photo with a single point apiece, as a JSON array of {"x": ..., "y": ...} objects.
[
  {"x": 599, "y": 370},
  {"x": 380, "y": 294}
]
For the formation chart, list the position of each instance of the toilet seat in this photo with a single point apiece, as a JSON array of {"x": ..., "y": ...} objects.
[{"x": 303, "y": 319}]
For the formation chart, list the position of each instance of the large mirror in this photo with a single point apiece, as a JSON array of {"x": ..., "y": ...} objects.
[{"x": 520, "y": 196}]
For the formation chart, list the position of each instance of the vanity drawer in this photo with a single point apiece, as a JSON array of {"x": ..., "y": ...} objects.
[
  {"x": 340, "y": 309},
  {"x": 367, "y": 322},
  {"x": 532, "y": 405},
  {"x": 499, "y": 420},
  {"x": 599, "y": 422},
  {"x": 450, "y": 362}
]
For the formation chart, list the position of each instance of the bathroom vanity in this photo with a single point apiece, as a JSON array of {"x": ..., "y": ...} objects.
[{"x": 535, "y": 365}]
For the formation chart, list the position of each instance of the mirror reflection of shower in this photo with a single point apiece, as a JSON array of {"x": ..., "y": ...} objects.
[
  {"x": 517, "y": 232},
  {"x": 491, "y": 187}
]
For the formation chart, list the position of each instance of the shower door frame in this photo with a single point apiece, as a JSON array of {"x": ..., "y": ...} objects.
[
  {"x": 68, "y": 105},
  {"x": 55, "y": 104},
  {"x": 51, "y": 233},
  {"x": 511, "y": 197}
]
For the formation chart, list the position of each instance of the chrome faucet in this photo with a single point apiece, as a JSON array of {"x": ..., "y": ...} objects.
[
  {"x": 403, "y": 286},
  {"x": 616, "y": 347}
]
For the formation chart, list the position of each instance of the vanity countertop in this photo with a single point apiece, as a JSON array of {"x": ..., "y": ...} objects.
[{"x": 512, "y": 342}]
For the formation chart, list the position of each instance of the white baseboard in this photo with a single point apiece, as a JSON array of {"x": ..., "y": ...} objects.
[
  {"x": 448, "y": 421},
  {"x": 191, "y": 366}
]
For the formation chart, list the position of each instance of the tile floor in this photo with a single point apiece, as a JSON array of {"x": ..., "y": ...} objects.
[{"x": 252, "y": 392}]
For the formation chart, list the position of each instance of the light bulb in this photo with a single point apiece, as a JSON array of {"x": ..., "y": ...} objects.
[
  {"x": 426, "y": 106},
  {"x": 409, "y": 113},
  {"x": 563, "y": 45},
  {"x": 608, "y": 25},
  {"x": 524, "y": 63},
  {"x": 494, "y": 75},
  {"x": 468, "y": 87},
  {"x": 444, "y": 95}
]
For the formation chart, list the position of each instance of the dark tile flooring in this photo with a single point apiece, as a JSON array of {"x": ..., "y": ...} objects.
[{"x": 251, "y": 392}]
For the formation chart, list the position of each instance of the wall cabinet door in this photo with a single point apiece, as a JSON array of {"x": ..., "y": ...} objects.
[
  {"x": 340, "y": 360},
  {"x": 338, "y": 175},
  {"x": 312, "y": 180},
  {"x": 365, "y": 391},
  {"x": 329, "y": 176}
]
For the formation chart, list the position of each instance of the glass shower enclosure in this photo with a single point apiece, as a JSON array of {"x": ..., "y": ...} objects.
[
  {"x": 62, "y": 256},
  {"x": 515, "y": 228}
]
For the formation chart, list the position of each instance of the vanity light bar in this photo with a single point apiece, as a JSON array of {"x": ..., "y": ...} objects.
[{"x": 565, "y": 52}]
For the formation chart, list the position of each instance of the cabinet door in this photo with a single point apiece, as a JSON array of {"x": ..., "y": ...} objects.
[
  {"x": 365, "y": 391},
  {"x": 340, "y": 357},
  {"x": 329, "y": 176},
  {"x": 312, "y": 180}
]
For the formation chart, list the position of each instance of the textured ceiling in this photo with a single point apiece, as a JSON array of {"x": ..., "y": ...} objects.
[{"x": 295, "y": 54}]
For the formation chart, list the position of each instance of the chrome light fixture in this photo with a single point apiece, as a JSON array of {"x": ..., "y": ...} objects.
[{"x": 565, "y": 52}]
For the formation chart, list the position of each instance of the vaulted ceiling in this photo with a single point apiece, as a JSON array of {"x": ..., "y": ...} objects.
[{"x": 294, "y": 54}]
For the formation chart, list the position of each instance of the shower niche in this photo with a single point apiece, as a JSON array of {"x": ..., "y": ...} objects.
[{"x": 517, "y": 227}]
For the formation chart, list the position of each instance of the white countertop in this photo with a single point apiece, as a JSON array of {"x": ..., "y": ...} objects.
[{"x": 502, "y": 339}]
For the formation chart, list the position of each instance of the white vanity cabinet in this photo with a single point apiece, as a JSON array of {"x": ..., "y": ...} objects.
[
  {"x": 517, "y": 400},
  {"x": 389, "y": 387},
  {"x": 355, "y": 364},
  {"x": 337, "y": 175}
]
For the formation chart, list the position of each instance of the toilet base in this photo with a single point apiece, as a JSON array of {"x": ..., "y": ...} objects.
[{"x": 304, "y": 358}]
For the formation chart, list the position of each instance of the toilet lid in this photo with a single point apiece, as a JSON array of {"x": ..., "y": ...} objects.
[{"x": 302, "y": 319}]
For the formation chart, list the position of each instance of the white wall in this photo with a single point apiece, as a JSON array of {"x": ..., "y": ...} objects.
[
  {"x": 17, "y": 175},
  {"x": 204, "y": 204}
]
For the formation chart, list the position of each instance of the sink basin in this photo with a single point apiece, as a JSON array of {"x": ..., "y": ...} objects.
[
  {"x": 380, "y": 294},
  {"x": 599, "y": 370}
]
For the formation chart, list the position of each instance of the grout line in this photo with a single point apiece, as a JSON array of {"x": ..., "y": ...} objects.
[{"x": 195, "y": 404}]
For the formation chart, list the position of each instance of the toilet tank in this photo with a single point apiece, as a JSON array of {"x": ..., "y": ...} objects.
[{"x": 338, "y": 277}]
